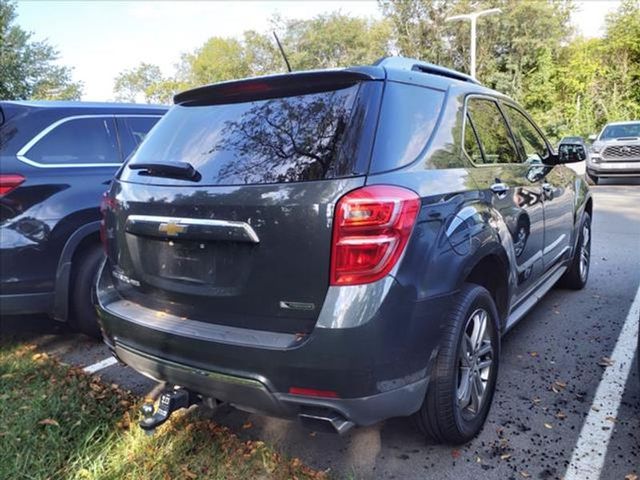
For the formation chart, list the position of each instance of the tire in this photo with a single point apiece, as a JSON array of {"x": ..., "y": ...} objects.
[
  {"x": 83, "y": 317},
  {"x": 442, "y": 417},
  {"x": 591, "y": 179},
  {"x": 578, "y": 274}
]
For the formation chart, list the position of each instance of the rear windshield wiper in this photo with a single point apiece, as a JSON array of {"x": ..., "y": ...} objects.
[{"x": 180, "y": 170}]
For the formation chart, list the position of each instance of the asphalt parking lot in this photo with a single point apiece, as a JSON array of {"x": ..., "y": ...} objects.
[{"x": 551, "y": 369}]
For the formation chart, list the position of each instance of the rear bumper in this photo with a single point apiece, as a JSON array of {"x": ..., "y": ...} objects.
[
  {"x": 254, "y": 396},
  {"x": 377, "y": 369}
]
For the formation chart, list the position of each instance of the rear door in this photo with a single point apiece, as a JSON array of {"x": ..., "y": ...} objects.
[
  {"x": 246, "y": 239},
  {"x": 557, "y": 187},
  {"x": 514, "y": 192}
]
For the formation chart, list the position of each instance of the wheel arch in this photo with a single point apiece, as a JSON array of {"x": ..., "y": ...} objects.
[
  {"x": 490, "y": 270},
  {"x": 82, "y": 238}
]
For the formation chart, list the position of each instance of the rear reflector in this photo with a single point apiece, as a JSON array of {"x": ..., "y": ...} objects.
[
  {"x": 312, "y": 392},
  {"x": 371, "y": 228},
  {"x": 9, "y": 183}
]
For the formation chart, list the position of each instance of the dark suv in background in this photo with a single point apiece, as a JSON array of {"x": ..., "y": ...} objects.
[
  {"x": 56, "y": 161},
  {"x": 339, "y": 246}
]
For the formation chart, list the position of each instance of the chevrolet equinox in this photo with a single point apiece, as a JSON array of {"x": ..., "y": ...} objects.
[{"x": 339, "y": 246}]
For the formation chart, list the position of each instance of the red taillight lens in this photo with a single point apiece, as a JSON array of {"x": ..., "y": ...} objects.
[
  {"x": 312, "y": 392},
  {"x": 371, "y": 228},
  {"x": 9, "y": 183},
  {"x": 107, "y": 203}
]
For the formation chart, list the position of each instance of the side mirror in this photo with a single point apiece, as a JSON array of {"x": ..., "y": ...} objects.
[
  {"x": 571, "y": 153},
  {"x": 592, "y": 138}
]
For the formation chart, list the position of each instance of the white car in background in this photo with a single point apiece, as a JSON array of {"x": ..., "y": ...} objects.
[{"x": 615, "y": 152}]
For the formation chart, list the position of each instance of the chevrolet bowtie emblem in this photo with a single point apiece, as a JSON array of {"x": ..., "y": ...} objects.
[{"x": 172, "y": 228}]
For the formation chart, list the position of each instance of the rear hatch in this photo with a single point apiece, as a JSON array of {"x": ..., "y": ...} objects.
[{"x": 224, "y": 214}]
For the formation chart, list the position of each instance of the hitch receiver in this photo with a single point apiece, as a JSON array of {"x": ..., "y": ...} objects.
[{"x": 170, "y": 401}]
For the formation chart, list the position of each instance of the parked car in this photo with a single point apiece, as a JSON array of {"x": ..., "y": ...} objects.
[
  {"x": 338, "y": 246},
  {"x": 56, "y": 160},
  {"x": 615, "y": 152}
]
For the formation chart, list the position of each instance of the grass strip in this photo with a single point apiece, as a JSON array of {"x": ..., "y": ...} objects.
[{"x": 56, "y": 422}]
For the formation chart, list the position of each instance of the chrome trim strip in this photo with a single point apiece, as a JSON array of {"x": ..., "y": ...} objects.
[
  {"x": 539, "y": 291},
  {"x": 251, "y": 233},
  {"x": 21, "y": 155}
]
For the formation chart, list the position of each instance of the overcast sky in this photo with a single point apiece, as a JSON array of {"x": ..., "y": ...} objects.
[{"x": 102, "y": 38}]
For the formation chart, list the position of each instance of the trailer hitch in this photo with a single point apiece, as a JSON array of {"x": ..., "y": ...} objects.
[{"x": 170, "y": 401}]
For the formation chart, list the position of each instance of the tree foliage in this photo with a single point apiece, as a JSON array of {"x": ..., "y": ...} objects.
[
  {"x": 530, "y": 51},
  {"x": 28, "y": 68}
]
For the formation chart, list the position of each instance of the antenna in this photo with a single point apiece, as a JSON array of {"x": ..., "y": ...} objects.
[{"x": 282, "y": 51}]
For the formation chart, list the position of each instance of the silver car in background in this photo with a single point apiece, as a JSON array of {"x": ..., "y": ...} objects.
[{"x": 615, "y": 152}]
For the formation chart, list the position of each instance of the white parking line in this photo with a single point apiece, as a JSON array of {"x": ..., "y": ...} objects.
[
  {"x": 107, "y": 362},
  {"x": 590, "y": 452}
]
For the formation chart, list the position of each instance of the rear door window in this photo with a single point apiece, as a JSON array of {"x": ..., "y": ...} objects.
[
  {"x": 77, "y": 142},
  {"x": 492, "y": 132},
  {"x": 132, "y": 131},
  {"x": 291, "y": 139}
]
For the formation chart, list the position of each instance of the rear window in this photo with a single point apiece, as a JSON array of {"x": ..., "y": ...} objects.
[{"x": 291, "y": 139}]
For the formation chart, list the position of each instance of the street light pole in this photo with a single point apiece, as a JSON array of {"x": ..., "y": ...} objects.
[{"x": 473, "y": 17}]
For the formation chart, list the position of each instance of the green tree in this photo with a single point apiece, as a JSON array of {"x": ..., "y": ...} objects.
[
  {"x": 27, "y": 67},
  {"x": 334, "y": 40},
  {"x": 145, "y": 83}
]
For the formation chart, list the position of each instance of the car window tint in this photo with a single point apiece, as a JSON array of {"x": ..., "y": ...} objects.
[
  {"x": 407, "y": 118},
  {"x": 290, "y": 139},
  {"x": 471, "y": 145},
  {"x": 132, "y": 131},
  {"x": 78, "y": 141},
  {"x": 492, "y": 131},
  {"x": 529, "y": 141}
]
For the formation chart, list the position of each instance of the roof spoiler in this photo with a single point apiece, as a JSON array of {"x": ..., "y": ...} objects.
[
  {"x": 272, "y": 86},
  {"x": 403, "y": 63}
]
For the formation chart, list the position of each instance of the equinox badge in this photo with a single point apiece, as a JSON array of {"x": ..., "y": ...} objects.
[{"x": 172, "y": 228}]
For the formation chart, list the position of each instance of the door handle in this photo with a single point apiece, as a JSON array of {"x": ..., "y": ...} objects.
[{"x": 499, "y": 189}]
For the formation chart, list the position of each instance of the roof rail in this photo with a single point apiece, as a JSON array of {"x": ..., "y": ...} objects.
[{"x": 404, "y": 63}]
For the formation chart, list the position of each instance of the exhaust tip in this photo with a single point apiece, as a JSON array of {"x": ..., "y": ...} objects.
[{"x": 326, "y": 421}]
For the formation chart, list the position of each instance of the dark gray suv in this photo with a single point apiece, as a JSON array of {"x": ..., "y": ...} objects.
[{"x": 338, "y": 246}]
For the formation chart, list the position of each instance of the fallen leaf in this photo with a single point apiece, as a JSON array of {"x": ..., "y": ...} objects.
[
  {"x": 505, "y": 456},
  {"x": 561, "y": 415},
  {"x": 188, "y": 473},
  {"x": 525, "y": 474},
  {"x": 247, "y": 425},
  {"x": 611, "y": 419},
  {"x": 606, "y": 362},
  {"x": 49, "y": 421},
  {"x": 631, "y": 476},
  {"x": 455, "y": 453},
  {"x": 533, "y": 354},
  {"x": 548, "y": 425}
]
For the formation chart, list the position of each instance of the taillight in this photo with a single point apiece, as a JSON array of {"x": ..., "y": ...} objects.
[
  {"x": 9, "y": 183},
  {"x": 106, "y": 204},
  {"x": 371, "y": 228}
]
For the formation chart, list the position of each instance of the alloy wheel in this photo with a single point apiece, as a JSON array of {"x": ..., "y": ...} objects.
[
  {"x": 475, "y": 362},
  {"x": 585, "y": 251}
]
